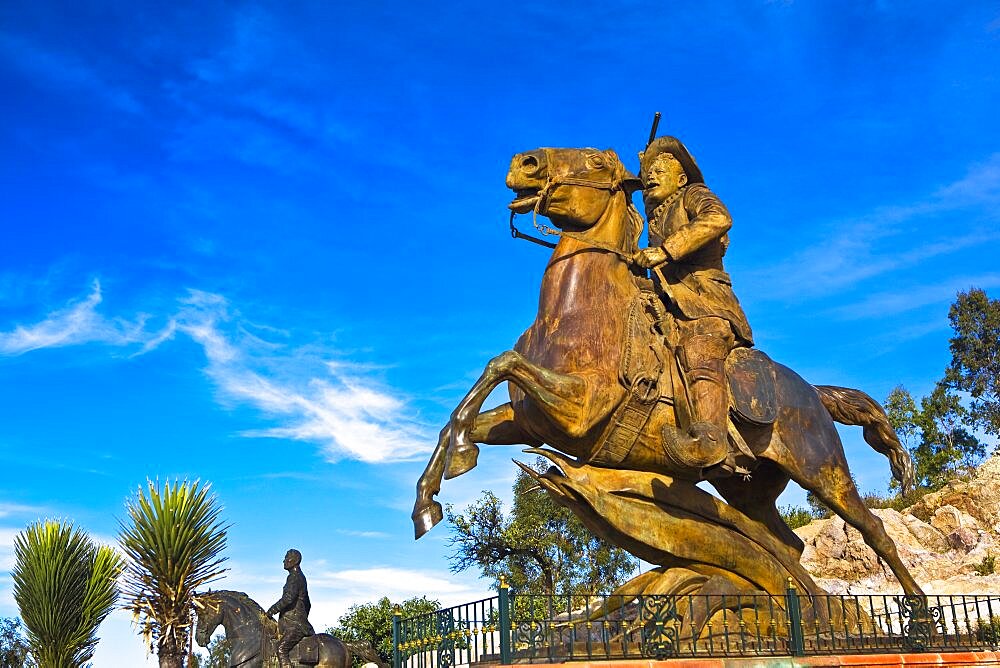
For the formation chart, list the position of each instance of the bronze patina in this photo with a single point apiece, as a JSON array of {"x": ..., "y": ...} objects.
[
  {"x": 292, "y": 608},
  {"x": 254, "y": 637},
  {"x": 645, "y": 386}
]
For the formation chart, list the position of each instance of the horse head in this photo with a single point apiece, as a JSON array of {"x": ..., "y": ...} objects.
[
  {"x": 208, "y": 613},
  {"x": 572, "y": 187}
]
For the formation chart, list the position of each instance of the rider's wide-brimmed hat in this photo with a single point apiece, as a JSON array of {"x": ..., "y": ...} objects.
[{"x": 674, "y": 147}]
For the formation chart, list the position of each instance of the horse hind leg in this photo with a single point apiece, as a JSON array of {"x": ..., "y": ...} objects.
[{"x": 830, "y": 479}]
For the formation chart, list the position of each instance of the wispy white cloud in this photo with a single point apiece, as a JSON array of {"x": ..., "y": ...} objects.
[
  {"x": 9, "y": 509},
  {"x": 365, "y": 583},
  {"x": 75, "y": 324},
  {"x": 333, "y": 591},
  {"x": 63, "y": 71},
  {"x": 312, "y": 395},
  {"x": 895, "y": 301},
  {"x": 863, "y": 248},
  {"x": 7, "y": 536},
  {"x": 364, "y": 534}
]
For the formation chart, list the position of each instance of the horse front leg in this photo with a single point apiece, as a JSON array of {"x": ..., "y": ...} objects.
[
  {"x": 496, "y": 427},
  {"x": 566, "y": 399}
]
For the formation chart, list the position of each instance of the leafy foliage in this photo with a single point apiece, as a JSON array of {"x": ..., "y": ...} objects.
[
  {"x": 13, "y": 645},
  {"x": 796, "y": 516},
  {"x": 541, "y": 547},
  {"x": 936, "y": 434},
  {"x": 940, "y": 429},
  {"x": 64, "y": 586},
  {"x": 219, "y": 651},
  {"x": 370, "y": 624},
  {"x": 987, "y": 566},
  {"x": 975, "y": 356},
  {"x": 818, "y": 509},
  {"x": 988, "y": 631},
  {"x": 174, "y": 541}
]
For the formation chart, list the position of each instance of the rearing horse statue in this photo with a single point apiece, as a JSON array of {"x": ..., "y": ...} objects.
[{"x": 568, "y": 374}]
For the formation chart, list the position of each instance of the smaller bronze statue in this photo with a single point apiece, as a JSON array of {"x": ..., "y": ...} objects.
[
  {"x": 292, "y": 608},
  {"x": 253, "y": 636}
]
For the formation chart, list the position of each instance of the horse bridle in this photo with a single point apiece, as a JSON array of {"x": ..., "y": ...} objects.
[{"x": 612, "y": 185}]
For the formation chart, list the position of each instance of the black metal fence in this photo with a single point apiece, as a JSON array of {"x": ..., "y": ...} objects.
[{"x": 525, "y": 628}]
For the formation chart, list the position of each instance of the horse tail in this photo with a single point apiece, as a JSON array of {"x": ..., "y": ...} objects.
[
  {"x": 363, "y": 649},
  {"x": 855, "y": 408}
]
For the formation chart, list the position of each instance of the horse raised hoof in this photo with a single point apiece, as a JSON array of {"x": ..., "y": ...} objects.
[
  {"x": 461, "y": 459},
  {"x": 425, "y": 517}
]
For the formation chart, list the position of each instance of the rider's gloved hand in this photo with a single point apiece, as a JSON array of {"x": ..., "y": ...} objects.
[{"x": 650, "y": 257}]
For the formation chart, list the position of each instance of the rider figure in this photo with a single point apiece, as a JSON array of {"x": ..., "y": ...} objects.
[
  {"x": 292, "y": 609},
  {"x": 688, "y": 236}
]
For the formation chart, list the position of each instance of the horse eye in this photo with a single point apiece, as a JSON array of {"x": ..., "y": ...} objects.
[{"x": 595, "y": 161}]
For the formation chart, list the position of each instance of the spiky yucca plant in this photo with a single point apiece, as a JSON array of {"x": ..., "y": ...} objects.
[
  {"x": 64, "y": 586},
  {"x": 174, "y": 541}
]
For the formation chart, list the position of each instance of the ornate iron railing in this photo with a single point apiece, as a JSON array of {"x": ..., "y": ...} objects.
[{"x": 524, "y": 628}]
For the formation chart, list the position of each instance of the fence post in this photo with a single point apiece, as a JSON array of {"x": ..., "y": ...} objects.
[
  {"x": 504, "y": 622},
  {"x": 397, "y": 658},
  {"x": 794, "y": 610}
]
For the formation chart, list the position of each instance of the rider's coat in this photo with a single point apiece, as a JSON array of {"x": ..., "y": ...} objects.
[
  {"x": 693, "y": 230},
  {"x": 293, "y": 606}
]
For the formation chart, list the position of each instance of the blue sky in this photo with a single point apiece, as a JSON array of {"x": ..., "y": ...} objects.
[{"x": 265, "y": 245}]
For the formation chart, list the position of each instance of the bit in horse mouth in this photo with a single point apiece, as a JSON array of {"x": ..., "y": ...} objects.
[{"x": 524, "y": 201}]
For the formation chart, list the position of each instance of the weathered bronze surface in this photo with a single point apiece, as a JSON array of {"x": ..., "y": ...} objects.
[
  {"x": 292, "y": 608},
  {"x": 647, "y": 387},
  {"x": 254, "y": 636}
]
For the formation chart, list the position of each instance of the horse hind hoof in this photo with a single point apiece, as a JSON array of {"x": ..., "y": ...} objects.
[
  {"x": 461, "y": 459},
  {"x": 425, "y": 518}
]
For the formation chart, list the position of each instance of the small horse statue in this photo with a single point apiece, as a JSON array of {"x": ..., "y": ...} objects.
[
  {"x": 565, "y": 373},
  {"x": 253, "y": 635}
]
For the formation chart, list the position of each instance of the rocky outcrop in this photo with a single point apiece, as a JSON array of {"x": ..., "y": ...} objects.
[{"x": 943, "y": 539}]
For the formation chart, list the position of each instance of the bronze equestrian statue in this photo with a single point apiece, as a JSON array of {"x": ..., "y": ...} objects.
[
  {"x": 255, "y": 639},
  {"x": 253, "y": 636},
  {"x": 601, "y": 374}
]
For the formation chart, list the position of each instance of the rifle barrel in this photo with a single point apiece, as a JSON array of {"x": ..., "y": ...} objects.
[{"x": 652, "y": 130}]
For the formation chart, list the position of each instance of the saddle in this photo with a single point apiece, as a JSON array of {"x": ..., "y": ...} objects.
[
  {"x": 651, "y": 373},
  {"x": 751, "y": 387},
  {"x": 307, "y": 650}
]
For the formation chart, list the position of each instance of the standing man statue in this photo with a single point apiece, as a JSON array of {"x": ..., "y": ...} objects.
[
  {"x": 292, "y": 609},
  {"x": 688, "y": 236}
]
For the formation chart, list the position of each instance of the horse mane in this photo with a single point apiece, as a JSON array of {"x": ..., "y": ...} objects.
[
  {"x": 238, "y": 598},
  {"x": 635, "y": 222}
]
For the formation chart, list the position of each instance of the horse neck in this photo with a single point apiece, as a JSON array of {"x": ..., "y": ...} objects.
[
  {"x": 249, "y": 619},
  {"x": 574, "y": 259}
]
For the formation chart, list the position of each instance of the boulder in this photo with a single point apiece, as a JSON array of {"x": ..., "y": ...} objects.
[{"x": 944, "y": 538}]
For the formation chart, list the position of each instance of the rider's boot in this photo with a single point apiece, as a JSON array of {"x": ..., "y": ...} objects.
[
  {"x": 709, "y": 428},
  {"x": 284, "y": 661}
]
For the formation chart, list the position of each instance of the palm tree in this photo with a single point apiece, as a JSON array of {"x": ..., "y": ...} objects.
[
  {"x": 174, "y": 540},
  {"x": 64, "y": 586}
]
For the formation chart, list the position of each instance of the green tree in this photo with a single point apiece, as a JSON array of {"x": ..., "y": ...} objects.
[
  {"x": 975, "y": 357},
  {"x": 64, "y": 586},
  {"x": 219, "y": 651},
  {"x": 542, "y": 547},
  {"x": 796, "y": 516},
  {"x": 13, "y": 645},
  {"x": 369, "y": 626},
  {"x": 936, "y": 434},
  {"x": 174, "y": 541}
]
